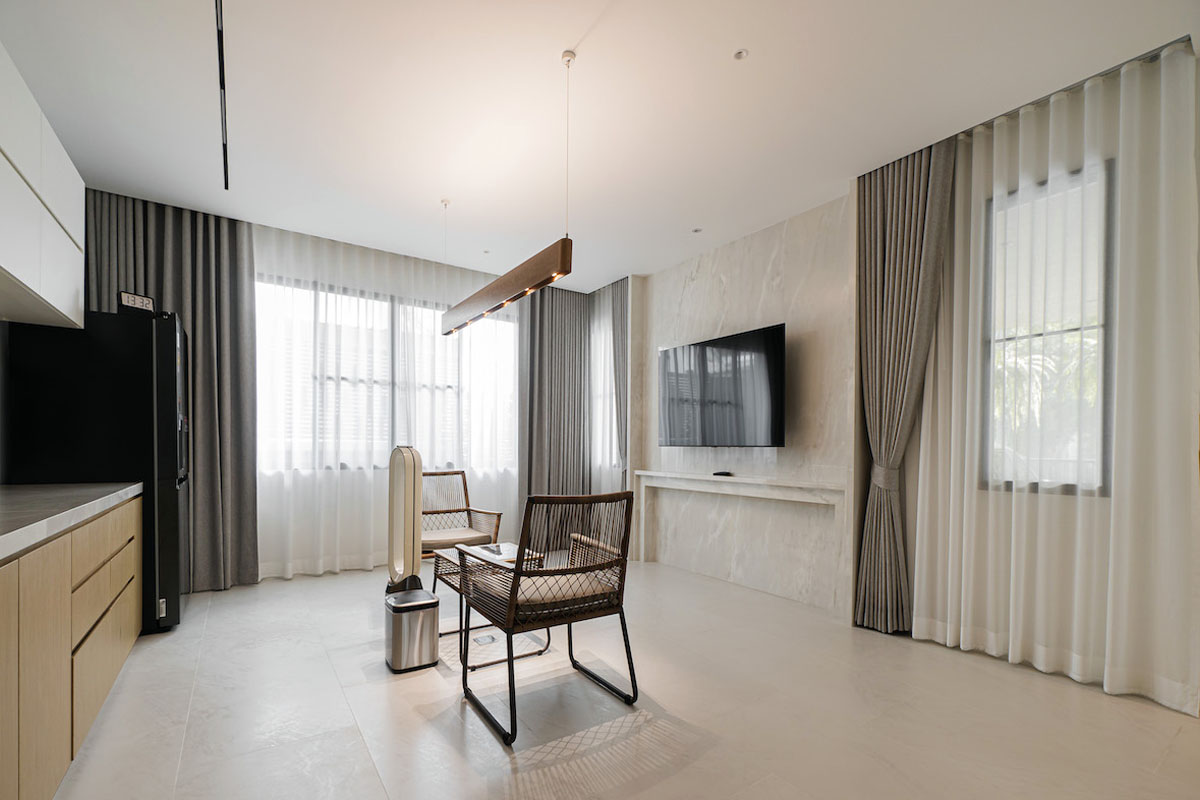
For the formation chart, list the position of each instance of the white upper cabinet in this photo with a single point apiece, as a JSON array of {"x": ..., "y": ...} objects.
[
  {"x": 20, "y": 215},
  {"x": 41, "y": 213},
  {"x": 20, "y": 122},
  {"x": 61, "y": 271},
  {"x": 60, "y": 186}
]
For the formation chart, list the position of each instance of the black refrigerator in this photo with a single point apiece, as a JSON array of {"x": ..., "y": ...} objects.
[{"x": 103, "y": 404}]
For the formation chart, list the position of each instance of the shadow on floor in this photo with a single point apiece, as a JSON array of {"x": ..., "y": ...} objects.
[
  {"x": 625, "y": 750},
  {"x": 574, "y": 739}
]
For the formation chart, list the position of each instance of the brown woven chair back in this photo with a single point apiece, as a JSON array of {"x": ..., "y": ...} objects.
[
  {"x": 584, "y": 546},
  {"x": 591, "y": 531},
  {"x": 444, "y": 500}
]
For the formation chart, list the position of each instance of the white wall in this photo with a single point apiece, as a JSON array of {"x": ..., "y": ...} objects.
[{"x": 799, "y": 272}]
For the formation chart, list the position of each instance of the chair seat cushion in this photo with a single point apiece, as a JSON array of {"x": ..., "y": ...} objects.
[
  {"x": 546, "y": 590},
  {"x": 543, "y": 599},
  {"x": 436, "y": 540},
  {"x": 539, "y": 592}
]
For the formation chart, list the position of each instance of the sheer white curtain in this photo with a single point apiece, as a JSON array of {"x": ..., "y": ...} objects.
[
  {"x": 1058, "y": 519},
  {"x": 351, "y": 362},
  {"x": 604, "y": 450}
]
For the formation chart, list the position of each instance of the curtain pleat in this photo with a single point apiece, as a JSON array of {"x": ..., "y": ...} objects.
[
  {"x": 200, "y": 267},
  {"x": 619, "y": 303},
  {"x": 555, "y": 436},
  {"x": 1058, "y": 513},
  {"x": 352, "y": 362},
  {"x": 608, "y": 385},
  {"x": 574, "y": 368},
  {"x": 903, "y": 222}
]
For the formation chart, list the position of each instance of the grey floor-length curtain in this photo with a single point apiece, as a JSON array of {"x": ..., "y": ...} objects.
[
  {"x": 620, "y": 344},
  {"x": 903, "y": 224},
  {"x": 553, "y": 388},
  {"x": 608, "y": 309},
  {"x": 200, "y": 267}
]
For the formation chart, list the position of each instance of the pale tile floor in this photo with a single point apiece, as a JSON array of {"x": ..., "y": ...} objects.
[{"x": 280, "y": 691}]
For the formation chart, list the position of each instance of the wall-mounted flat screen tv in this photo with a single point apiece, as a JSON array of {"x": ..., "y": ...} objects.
[{"x": 725, "y": 392}]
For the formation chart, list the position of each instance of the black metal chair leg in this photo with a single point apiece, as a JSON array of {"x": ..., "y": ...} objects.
[
  {"x": 629, "y": 699},
  {"x": 509, "y": 736},
  {"x": 512, "y": 695},
  {"x": 462, "y": 644},
  {"x": 461, "y": 603},
  {"x": 629, "y": 659}
]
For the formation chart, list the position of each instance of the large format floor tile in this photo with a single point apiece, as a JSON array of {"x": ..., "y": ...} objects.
[{"x": 281, "y": 690}]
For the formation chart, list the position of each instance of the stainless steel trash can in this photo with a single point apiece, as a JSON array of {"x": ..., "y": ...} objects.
[{"x": 411, "y": 629}]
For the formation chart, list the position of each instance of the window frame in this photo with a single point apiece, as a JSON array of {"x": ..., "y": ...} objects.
[
  {"x": 396, "y": 306},
  {"x": 1108, "y": 326}
]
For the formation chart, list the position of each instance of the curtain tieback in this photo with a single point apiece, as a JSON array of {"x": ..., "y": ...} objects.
[{"x": 887, "y": 478}]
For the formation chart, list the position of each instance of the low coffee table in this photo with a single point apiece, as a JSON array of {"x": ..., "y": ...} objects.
[{"x": 446, "y": 570}]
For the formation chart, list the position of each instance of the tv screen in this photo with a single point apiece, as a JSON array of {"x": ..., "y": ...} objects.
[{"x": 725, "y": 392}]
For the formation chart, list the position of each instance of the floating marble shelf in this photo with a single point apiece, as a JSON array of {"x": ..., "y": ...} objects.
[{"x": 825, "y": 494}]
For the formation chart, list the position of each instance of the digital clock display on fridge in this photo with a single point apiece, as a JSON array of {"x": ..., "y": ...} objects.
[{"x": 128, "y": 301}]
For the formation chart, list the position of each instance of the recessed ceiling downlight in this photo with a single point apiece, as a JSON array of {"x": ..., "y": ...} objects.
[
  {"x": 741, "y": 55},
  {"x": 697, "y": 230}
]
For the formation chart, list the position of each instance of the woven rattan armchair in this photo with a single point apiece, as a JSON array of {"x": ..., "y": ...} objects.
[
  {"x": 447, "y": 518},
  {"x": 570, "y": 567}
]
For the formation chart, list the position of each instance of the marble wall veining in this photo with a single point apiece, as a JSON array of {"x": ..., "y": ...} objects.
[{"x": 799, "y": 272}]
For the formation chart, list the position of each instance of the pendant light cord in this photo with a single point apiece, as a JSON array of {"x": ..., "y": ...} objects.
[
  {"x": 567, "y": 171},
  {"x": 445, "y": 207}
]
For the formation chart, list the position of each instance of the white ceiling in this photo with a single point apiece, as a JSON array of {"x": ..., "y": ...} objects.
[{"x": 353, "y": 119}]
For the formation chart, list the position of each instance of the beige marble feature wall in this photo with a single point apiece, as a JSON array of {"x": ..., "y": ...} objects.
[{"x": 799, "y": 272}]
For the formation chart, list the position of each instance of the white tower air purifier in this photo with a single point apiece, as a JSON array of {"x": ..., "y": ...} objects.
[
  {"x": 410, "y": 612},
  {"x": 404, "y": 519}
]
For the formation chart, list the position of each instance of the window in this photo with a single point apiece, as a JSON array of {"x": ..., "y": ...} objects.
[
  {"x": 1046, "y": 329},
  {"x": 428, "y": 376},
  {"x": 607, "y": 466},
  {"x": 353, "y": 376},
  {"x": 343, "y": 377},
  {"x": 285, "y": 315}
]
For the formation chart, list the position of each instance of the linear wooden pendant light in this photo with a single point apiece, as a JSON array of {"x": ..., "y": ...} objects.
[{"x": 534, "y": 273}]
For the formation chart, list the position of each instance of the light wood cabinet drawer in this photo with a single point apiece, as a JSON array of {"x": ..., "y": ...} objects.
[
  {"x": 121, "y": 568},
  {"x": 91, "y": 545},
  {"x": 94, "y": 542},
  {"x": 88, "y": 603},
  {"x": 90, "y": 600},
  {"x": 126, "y": 522},
  {"x": 98, "y": 661},
  {"x": 129, "y": 606}
]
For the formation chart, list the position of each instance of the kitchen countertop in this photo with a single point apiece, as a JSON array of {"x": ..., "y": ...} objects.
[{"x": 33, "y": 514}]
